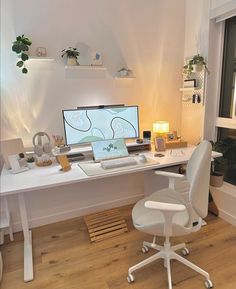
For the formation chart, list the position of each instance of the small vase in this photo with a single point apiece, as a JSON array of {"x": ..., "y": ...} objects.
[
  {"x": 71, "y": 61},
  {"x": 216, "y": 179},
  {"x": 197, "y": 68}
]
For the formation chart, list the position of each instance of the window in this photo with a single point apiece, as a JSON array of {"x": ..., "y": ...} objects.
[
  {"x": 228, "y": 86},
  {"x": 227, "y": 108}
]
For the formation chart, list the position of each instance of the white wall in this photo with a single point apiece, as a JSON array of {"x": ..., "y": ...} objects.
[
  {"x": 136, "y": 33},
  {"x": 148, "y": 36},
  {"x": 196, "y": 41}
]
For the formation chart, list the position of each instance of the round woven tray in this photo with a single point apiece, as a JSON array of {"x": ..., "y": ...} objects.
[{"x": 44, "y": 164}]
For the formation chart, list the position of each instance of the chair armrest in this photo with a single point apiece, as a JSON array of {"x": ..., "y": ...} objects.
[
  {"x": 170, "y": 175},
  {"x": 168, "y": 211},
  {"x": 165, "y": 206}
]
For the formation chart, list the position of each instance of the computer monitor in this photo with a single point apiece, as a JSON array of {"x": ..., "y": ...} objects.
[{"x": 86, "y": 125}]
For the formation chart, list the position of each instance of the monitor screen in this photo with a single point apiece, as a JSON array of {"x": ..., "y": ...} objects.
[
  {"x": 86, "y": 125},
  {"x": 109, "y": 149}
]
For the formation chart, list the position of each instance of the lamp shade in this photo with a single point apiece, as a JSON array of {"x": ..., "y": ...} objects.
[{"x": 161, "y": 127}]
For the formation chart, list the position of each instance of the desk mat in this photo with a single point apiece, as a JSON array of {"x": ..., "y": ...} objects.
[{"x": 94, "y": 169}]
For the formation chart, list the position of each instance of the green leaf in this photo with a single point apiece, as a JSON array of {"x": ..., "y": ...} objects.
[
  {"x": 24, "y": 47},
  {"x": 20, "y": 63},
  {"x": 16, "y": 48},
  {"x": 26, "y": 41},
  {"x": 24, "y": 70},
  {"x": 18, "y": 38},
  {"x": 24, "y": 56}
]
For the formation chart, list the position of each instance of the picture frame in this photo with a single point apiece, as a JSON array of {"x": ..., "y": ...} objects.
[
  {"x": 160, "y": 144},
  {"x": 96, "y": 58},
  {"x": 170, "y": 136}
]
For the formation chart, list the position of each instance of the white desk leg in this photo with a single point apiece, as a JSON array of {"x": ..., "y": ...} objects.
[{"x": 28, "y": 254}]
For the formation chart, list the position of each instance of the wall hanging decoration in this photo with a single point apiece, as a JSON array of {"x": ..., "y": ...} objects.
[{"x": 21, "y": 47}]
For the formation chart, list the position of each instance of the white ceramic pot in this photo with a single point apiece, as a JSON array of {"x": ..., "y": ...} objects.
[
  {"x": 123, "y": 73},
  {"x": 197, "y": 68},
  {"x": 71, "y": 61},
  {"x": 31, "y": 165}
]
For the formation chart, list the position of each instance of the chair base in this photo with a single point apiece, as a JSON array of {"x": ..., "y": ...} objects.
[{"x": 167, "y": 253}]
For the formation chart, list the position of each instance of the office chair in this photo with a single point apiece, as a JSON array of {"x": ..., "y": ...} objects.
[{"x": 166, "y": 213}]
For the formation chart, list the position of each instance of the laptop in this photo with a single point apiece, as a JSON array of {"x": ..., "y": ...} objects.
[{"x": 109, "y": 149}]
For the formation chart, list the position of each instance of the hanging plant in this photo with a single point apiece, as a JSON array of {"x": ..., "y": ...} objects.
[
  {"x": 196, "y": 63},
  {"x": 20, "y": 46}
]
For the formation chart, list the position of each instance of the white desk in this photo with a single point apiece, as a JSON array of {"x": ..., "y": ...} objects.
[{"x": 46, "y": 177}]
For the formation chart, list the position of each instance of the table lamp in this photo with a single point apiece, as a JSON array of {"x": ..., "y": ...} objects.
[{"x": 160, "y": 128}]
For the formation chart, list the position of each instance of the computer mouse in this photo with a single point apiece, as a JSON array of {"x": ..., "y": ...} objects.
[{"x": 142, "y": 158}]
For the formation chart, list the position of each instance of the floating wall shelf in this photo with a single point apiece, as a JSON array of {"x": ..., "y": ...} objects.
[
  {"x": 125, "y": 77},
  {"x": 38, "y": 58},
  {"x": 86, "y": 67},
  {"x": 85, "y": 71},
  {"x": 188, "y": 88}
]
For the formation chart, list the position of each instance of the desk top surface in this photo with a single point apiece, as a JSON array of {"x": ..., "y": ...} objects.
[{"x": 46, "y": 177}]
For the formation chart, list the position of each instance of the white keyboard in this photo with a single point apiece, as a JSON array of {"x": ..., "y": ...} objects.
[{"x": 117, "y": 163}]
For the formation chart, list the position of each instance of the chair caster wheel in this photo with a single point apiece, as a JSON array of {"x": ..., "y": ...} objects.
[
  {"x": 130, "y": 278},
  {"x": 208, "y": 284},
  {"x": 145, "y": 249},
  {"x": 185, "y": 251}
]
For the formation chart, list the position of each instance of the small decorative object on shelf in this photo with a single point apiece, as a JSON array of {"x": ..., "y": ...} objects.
[
  {"x": 160, "y": 144},
  {"x": 21, "y": 47},
  {"x": 41, "y": 51},
  {"x": 195, "y": 64},
  {"x": 125, "y": 73},
  {"x": 71, "y": 54},
  {"x": 30, "y": 162},
  {"x": 172, "y": 140},
  {"x": 190, "y": 83},
  {"x": 96, "y": 58},
  {"x": 58, "y": 140}
]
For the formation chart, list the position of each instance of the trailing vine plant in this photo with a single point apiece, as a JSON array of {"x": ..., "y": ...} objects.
[{"x": 20, "y": 46}]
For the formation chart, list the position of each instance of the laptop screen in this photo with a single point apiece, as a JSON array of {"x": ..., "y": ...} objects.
[{"x": 109, "y": 149}]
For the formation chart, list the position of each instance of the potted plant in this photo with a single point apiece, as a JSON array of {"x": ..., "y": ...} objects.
[
  {"x": 71, "y": 54},
  {"x": 196, "y": 64},
  {"x": 221, "y": 166},
  {"x": 124, "y": 72},
  {"x": 21, "y": 47},
  {"x": 31, "y": 162}
]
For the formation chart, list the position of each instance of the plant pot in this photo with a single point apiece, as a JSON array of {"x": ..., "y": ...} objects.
[
  {"x": 123, "y": 73},
  {"x": 197, "y": 68},
  {"x": 216, "y": 179},
  {"x": 71, "y": 61},
  {"x": 31, "y": 165}
]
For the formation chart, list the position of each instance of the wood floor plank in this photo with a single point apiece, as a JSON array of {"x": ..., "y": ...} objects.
[{"x": 65, "y": 258}]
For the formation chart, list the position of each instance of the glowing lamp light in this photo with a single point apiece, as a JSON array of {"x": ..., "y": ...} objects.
[{"x": 161, "y": 127}]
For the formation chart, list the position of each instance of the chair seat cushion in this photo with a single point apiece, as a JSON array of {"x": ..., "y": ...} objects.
[{"x": 152, "y": 221}]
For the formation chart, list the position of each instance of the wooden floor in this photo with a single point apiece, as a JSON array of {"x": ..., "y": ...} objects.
[{"x": 65, "y": 259}]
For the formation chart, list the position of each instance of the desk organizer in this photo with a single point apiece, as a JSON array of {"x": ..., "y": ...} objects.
[{"x": 176, "y": 144}]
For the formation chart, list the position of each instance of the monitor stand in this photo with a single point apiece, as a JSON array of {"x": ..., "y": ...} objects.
[{"x": 76, "y": 157}]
